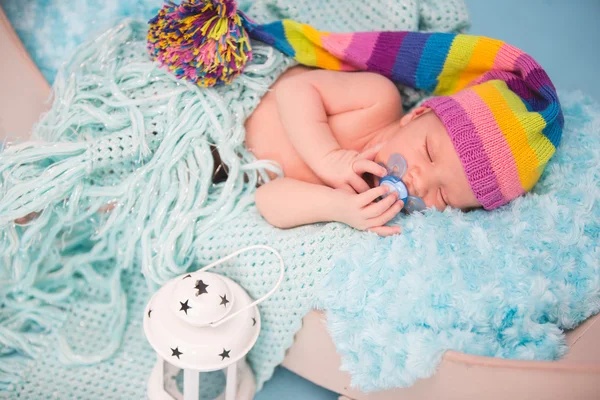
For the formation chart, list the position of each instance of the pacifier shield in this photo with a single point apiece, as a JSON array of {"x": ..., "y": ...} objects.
[
  {"x": 414, "y": 204},
  {"x": 396, "y": 166}
]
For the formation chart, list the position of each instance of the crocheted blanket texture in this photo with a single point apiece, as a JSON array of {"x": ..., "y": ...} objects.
[{"x": 125, "y": 133}]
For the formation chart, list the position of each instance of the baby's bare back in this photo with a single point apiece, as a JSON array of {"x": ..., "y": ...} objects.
[{"x": 267, "y": 139}]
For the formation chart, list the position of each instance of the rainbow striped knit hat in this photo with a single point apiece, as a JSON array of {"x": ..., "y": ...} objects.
[{"x": 498, "y": 105}]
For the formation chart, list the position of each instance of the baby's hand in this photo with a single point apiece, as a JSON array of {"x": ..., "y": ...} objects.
[
  {"x": 361, "y": 212},
  {"x": 343, "y": 169}
]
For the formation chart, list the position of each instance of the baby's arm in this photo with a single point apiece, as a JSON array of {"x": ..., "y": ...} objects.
[
  {"x": 287, "y": 203},
  {"x": 315, "y": 104}
]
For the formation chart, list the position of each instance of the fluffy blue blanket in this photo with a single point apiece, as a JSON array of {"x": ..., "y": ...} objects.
[{"x": 504, "y": 283}]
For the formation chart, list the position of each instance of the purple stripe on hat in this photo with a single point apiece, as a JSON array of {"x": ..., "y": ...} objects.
[
  {"x": 531, "y": 98},
  {"x": 544, "y": 100},
  {"x": 409, "y": 57},
  {"x": 384, "y": 54},
  {"x": 515, "y": 83},
  {"x": 532, "y": 72},
  {"x": 560, "y": 118},
  {"x": 470, "y": 150},
  {"x": 361, "y": 47}
]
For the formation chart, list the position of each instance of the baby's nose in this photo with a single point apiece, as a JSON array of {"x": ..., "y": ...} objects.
[{"x": 412, "y": 180}]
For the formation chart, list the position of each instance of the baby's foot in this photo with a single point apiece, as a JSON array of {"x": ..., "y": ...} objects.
[
  {"x": 29, "y": 217},
  {"x": 33, "y": 215}
]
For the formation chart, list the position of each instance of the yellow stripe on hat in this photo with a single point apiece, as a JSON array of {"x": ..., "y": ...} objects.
[
  {"x": 306, "y": 42},
  {"x": 304, "y": 49},
  {"x": 482, "y": 60},
  {"x": 323, "y": 58},
  {"x": 533, "y": 124},
  {"x": 458, "y": 58},
  {"x": 505, "y": 106}
]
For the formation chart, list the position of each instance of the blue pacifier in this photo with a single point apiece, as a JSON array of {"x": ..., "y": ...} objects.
[{"x": 396, "y": 169}]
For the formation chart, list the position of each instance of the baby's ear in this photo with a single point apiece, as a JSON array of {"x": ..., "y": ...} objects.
[{"x": 413, "y": 114}]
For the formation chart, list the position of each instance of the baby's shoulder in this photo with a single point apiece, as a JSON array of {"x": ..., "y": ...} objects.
[{"x": 376, "y": 84}]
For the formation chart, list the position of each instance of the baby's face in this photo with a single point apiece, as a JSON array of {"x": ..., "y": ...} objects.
[{"x": 435, "y": 173}]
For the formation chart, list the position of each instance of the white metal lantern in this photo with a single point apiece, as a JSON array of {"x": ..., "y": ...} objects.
[{"x": 200, "y": 322}]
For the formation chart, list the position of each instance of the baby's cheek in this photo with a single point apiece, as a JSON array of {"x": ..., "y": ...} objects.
[{"x": 431, "y": 201}]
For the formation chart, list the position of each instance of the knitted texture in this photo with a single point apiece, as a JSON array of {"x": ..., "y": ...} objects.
[
  {"x": 203, "y": 42},
  {"x": 501, "y": 284},
  {"x": 134, "y": 138},
  {"x": 124, "y": 133},
  {"x": 52, "y": 29},
  {"x": 498, "y": 105}
]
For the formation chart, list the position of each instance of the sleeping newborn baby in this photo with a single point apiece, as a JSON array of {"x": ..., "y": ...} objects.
[
  {"x": 484, "y": 140},
  {"x": 329, "y": 131}
]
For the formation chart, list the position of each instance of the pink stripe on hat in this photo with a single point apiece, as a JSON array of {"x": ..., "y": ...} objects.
[
  {"x": 361, "y": 47},
  {"x": 493, "y": 141},
  {"x": 507, "y": 57},
  {"x": 470, "y": 150},
  {"x": 337, "y": 44}
]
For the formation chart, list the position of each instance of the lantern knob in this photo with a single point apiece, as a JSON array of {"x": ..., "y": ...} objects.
[{"x": 201, "y": 298}]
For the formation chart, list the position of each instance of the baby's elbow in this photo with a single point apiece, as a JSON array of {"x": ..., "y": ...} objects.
[
  {"x": 261, "y": 199},
  {"x": 287, "y": 90},
  {"x": 267, "y": 207}
]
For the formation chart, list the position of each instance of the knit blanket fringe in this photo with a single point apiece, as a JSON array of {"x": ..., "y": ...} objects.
[{"x": 120, "y": 168}]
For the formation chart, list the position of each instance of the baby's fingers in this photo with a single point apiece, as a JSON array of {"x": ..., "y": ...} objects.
[
  {"x": 387, "y": 215},
  {"x": 371, "y": 195},
  {"x": 370, "y": 154},
  {"x": 358, "y": 184},
  {"x": 375, "y": 209},
  {"x": 385, "y": 230},
  {"x": 363, "y": 165},
  {"x": 347, "y": 188}
]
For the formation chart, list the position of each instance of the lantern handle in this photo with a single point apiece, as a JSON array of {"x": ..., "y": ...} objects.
[{"x": 235, "y": 253}]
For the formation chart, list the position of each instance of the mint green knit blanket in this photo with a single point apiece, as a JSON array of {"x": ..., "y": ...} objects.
[{"x": 125, "y": 133}]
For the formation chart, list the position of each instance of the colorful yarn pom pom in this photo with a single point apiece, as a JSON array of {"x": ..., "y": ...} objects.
[{"x": 203, "y": 41}]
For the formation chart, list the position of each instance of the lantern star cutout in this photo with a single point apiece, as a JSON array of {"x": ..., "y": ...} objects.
[
  {"x": 225, "y": 354},
  {"x": 184, "y": 306},
  {"x": 187, "y": 276},
  {"x": 253, "y": 321},
  {"x": 224, "y": 300},
  {"x": 201, "y": 287},
  {"x": 149, "y": 312},
  {"x": 177, "y": 353}
]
